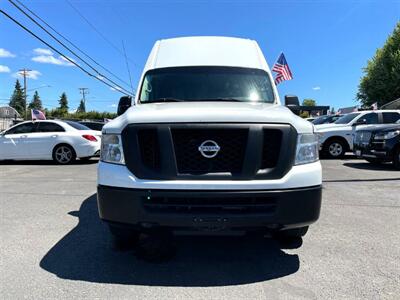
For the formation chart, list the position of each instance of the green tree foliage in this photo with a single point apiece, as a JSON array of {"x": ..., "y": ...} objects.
[
  {"x": 17, "y": 100},
  {"x": 36, "y": 103},
  {"x": 90, "y": 115},
  {"x": 381, "y": 80},
  {"x": 62, "y": 110},
  {"x": 309, "y": 102},
  {"x": 81, "y": 107}
]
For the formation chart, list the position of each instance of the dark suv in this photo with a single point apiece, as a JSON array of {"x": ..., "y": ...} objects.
[{"x": 379, "y": 143}]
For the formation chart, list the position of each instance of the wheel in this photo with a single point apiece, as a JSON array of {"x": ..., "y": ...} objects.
[
  {"x": 123, "y": 238},
  {"x": 334, "y": 148},
  {"x": 293, "y": 233},
  {"x": 396, "y": 158},
  {"x": 374, "y": 161},
  {"x": 63, "y": 154}
]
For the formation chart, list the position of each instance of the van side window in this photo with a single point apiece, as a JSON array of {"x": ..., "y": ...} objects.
[{"x": 371, "y": 118}]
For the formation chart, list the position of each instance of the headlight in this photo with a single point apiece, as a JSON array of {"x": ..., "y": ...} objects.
[
  {"x": 307, "y": 149},
  {"x": 386, "y": 135},
  {"x": 111, "y": 149}
]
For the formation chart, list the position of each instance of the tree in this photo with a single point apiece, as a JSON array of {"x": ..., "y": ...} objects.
[
  {"x": 81, "y": 107},
  {"x": 17, "y": 100},
  {"x": 309, "y": 102},
  {"x": 381, "y": 80},
  {"x": 36, "y": 103},
  {"x": 63, "y": 102}
]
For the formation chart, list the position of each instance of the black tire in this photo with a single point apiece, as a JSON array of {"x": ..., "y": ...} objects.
[
  {"x": 292, "y": 233},
  {"x": 396, "y": 158},
  {"x": 374, "y": 161},
  {"x": 334, "y": 148},
  {"x": 123, "y": 238},
  {"x": 64, "y": 154}
]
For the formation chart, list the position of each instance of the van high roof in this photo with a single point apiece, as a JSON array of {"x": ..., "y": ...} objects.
[{"x": 206, "y": 51}]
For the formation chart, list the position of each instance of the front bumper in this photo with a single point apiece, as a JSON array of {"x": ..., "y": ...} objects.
[
  {"x": 206, "y": 210},
  {"x": 382, "y": 150}
]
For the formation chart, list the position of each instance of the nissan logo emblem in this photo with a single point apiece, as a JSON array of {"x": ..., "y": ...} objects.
[{"x": 209, "y": 149}]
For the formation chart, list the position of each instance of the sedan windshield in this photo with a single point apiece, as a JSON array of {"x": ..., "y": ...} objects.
[
  {"x": 347, "y": 118},
  {"x": 206, "y": 84}
]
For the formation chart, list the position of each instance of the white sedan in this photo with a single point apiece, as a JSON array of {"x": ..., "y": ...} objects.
[{"x": 61, "y": 141}]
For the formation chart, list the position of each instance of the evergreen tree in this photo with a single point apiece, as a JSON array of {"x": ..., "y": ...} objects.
[
  {"x": 17, "y": 100},
  {"x": 81, "y": 107},
  {"x": 381, "y": 81},
  {"x": 63, "y": 102},
  {"x": 36, "y": 103}
]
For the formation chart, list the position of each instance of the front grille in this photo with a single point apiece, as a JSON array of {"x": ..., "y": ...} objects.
[
  {"x": 271, "y": 148},
  {"x": 245, "y": 151},
  {"x": 362, "y": 137},
  {"x": 149, "y": 148},
  {"x": 232, "y": 143},
  {"x": 220, "y": 206}
]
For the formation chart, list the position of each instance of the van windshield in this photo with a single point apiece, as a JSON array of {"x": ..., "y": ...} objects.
[{"x": 206, "y": 83}]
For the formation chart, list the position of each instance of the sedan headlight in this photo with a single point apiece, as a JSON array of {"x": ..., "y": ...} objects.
[
  {"x": 386, "y": 135},
  {"x": 111, "y": 149},
  {"x": 307, "y": 149}
]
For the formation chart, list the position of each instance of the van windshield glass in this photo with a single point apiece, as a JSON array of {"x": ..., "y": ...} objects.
[{"x": 206, "y": 83}]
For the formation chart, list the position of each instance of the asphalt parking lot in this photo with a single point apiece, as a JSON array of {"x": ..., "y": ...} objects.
[{"x": 54, "y": 246}]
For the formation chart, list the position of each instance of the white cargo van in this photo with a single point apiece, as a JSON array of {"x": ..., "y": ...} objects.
[{"x": 207, "y": 146}]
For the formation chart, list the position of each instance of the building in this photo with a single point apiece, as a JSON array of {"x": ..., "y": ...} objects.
[
  {"x": 395, "y": 104},
  {"x": 8, "y": 116}
]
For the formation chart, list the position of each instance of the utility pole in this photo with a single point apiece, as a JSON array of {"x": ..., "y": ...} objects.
[
  {"x": 25, "y": 72},
  {"x": 84, "y": 91}
]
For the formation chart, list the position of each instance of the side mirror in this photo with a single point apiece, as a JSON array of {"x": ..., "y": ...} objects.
[
  {"x": 123, "y": 105},
  {"x": 291, "y": 100}
]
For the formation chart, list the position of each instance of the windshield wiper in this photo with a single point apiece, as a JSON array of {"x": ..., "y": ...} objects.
[
  {"x": 162, "y": 100},
  {"x": 222, "y": 99}
]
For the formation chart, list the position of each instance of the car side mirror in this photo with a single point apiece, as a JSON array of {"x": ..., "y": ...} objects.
[{"x": 123, "y": 105}]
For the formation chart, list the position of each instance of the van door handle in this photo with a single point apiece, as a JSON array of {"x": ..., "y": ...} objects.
[
  {"x": 54, "y": 136},
  {"x": 24, "y": 136}
]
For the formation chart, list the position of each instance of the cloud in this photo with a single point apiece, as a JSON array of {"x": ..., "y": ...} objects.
[
  {"x": 45, "y": 56},
  {"x": 113, "y": 105},
  {"x": 4, "y": 69},
  {"x": 33, "y": 74},
  {"x": 6, "y": 53},
  {"x": 42, "y": 51},
  {"x": 316, "y": 88}
]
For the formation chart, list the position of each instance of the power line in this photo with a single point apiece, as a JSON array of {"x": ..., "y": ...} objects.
[
  {"x": 70, "y": 42},
  {"x": 62, "y": 44},
  {"x": 96, "y": 30},
  {"x": 123, "y": 91}
]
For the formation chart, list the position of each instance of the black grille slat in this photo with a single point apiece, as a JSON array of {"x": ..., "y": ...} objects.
[
  {"x": 228, "y": 160},
  {"x": 149, "y": 148},
  {"x": 253, "y": 205},
  {"x": 271, "y": 148}
]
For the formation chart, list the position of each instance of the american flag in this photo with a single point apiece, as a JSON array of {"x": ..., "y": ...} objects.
[
  {"x": 281, "y": 67},
  {"x": 37, "y": 115}
]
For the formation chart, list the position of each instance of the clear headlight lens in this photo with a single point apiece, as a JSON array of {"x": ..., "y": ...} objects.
[
  {"x": 387, "y": 135},
  {"x": 307, "y": 149},
  {"x": 111, "y": 149}
]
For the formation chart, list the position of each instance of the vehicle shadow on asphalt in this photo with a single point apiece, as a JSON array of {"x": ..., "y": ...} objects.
[
  {"x": 85, "y": 253},
  {"x": 369, "y": 166}
]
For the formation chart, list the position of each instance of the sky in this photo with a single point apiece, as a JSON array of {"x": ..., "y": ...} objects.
[{"x": 326, "y": 43}]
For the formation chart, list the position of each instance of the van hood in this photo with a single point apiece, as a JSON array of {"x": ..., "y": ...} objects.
[{"x": 208, "y": 112}]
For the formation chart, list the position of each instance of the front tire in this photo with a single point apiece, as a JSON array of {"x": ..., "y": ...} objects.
[
  {"x": 64, "y": 154},
  {"x": 334, "y": 148},
  {"x": 292, "y": 233},
  {"x": 123, "y": 238}
]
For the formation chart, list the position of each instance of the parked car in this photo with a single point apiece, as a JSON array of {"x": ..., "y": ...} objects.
[
  {"x": 327, "y": 119},
  {"x": 337, "y": 138},
  {"x": 379, "y": 143},
  {"x": 62, "y": 141},
  {"x": 208, "y": 147},
  {"x": 98, "y": 126}
]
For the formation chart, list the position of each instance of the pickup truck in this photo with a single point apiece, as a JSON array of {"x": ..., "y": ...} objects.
[{"x": 206, "y": 147}]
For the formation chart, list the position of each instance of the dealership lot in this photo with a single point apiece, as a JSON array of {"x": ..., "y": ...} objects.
[{"x": 54, "y": 246}]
